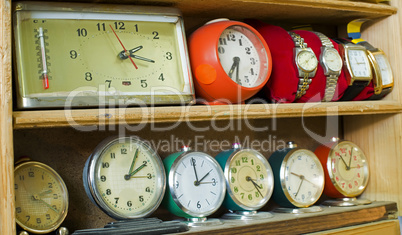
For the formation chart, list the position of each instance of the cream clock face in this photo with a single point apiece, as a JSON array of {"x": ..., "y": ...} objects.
[
  {"x": 303, "y": 178},
  {"x": 349, "y": 169},
  {"x": 359, "y": 63},
  {"x": 250, "y": 179},
  {"x": 385, "y": 69},
  {"x": 307, "y": 60},
  {"x": 241, "y": 58},
  {"x": 128, "y": 179},
  {"x": 333, "y": 59},
  {"x": 41, "y": 197},
  {"x": 197, "y": 184}
]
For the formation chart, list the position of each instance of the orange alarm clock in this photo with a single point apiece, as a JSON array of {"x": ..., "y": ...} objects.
[{"x": 230, "y": 62}]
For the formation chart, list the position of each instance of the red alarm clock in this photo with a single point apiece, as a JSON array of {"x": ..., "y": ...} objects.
[{"x": 230, "y": 62}]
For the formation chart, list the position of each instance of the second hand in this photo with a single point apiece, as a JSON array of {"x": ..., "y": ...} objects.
[{"x": 125, "y": 51}]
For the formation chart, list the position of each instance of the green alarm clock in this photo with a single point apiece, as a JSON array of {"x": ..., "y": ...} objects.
[
  {"x": 299, "y": 179},
  {"x": 195, "y": 186},
  {"x": 249, "y": 182}
]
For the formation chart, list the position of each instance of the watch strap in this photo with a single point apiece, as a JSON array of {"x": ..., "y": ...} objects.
[
  {"x": 306, "y": 80},
  {"x": 383, "y": 93},
  {"x": 353, "y": 90}
]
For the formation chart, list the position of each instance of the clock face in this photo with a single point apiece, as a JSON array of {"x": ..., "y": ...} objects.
[
  {"x": 242, "y": 56},
  {"x": 197, "y": 184},
  {"x": 250, "y": 179},
  {"x": 302, "y": 178},
  {"x": 307, "y": 60},
  {"x": 385, "y": 69},
  {"x": 348, "y": 169},
  {"x": 127, "y": 178},
  {"x": 359, "y": 63},
  {"x": 333, "y": 59},
  {"x": 41, "y": 197}
]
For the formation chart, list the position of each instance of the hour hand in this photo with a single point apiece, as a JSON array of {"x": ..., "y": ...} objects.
[{"x": 124, "y": 55}]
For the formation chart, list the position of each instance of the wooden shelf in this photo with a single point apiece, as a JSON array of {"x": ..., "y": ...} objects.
[
  {"x": 87, "y": 117},
  {"x": 329, "y": 218}
]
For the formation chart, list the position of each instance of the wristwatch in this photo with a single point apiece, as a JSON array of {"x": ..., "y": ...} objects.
[
  {"x": 383, "y": 80},
  {"x": 331, "y": 62},
  {"x": 357, "y": 69},
  {"x": 306, "y": 63}
]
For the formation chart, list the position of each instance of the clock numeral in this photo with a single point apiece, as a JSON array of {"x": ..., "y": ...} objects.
[
  {"x": 250, "y": 197},
  {"x": 123, "y": 151},
  {"x": 15, "y": 186},
  {"x": 50, "y": 185},
  {"x": 252, "y": 71},
  {"x": 248, "y": 50},
  {"x": 193, "y": 162},
  {"x": 156, "y": 34},
  {"x": 105, "y": 165},
  {"x": 55, "y": 196},
  {"x": 141, "y": 198},
  {"x": 240, "y": 43},
  {"x": 28, "y": 218},
  {"x": 38, "y": 220},
  {"x": 88, "y": 76},
  {"x": 231, "y": 37},
  {"x": 148, "y": 190},
  {"x": 257, "y": 194},
  {"x": 144, "y": 83},
  {"x": 258, "y": 167},
  {"x": 198, "y": 205},
  {"x": 242, "y": 195},
  {"x": 55, "y": 207},
  {"x": 237, "y": 162},
  {"x": 236, "y": 189},
  {"x": 213, "y": 181},
  {"x": 101, "y": 27},
  {"x": 244, "y": 160},
  {"x": 232, "y": 180},
  {"x": 222, "y": 41},
  {"x": 136, "y": 28},
  {"x": 109, "y": 82},
  {"x": 103, "y": 178},
  {"x": 129, "y": 204},
  {"x": 108, "y": 191},
  {"x": 149, "y": 176},
  {"x": 31, "y": 174},
  {"x": 161, "y": 77},
  {"x": 252, "y": 61},
  {"x": 48, "y": 216},
  {"x": 221, "y": 50},
  {"x": 233, "y": 170},
  {"x": 18, "y": 210},
  {"x": 82, "y": 32},
  {"x": 169, "y": 56},
  {"x": 113, "y": 155},
  {"x": 119, "y": 25},
  {"x": 73, "y": 54},
  {"x": 261, "y": 176},
  {"x": 22, "y": 177},
  {"x": 177, "y": 184},
  {"x": 116, "y": 200}
]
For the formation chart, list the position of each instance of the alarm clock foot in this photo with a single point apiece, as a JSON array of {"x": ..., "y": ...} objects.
[
  {"x": 202, "y": 222},
  {"x": 344, "y": 202},
  {"x": 247, "y": 215},
  {"x": 311, "y": 209}
]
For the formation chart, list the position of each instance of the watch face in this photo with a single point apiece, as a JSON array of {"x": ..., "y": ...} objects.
[
  {"x": 41, "y": 197},
  {"x": 348, "y": 168},
  {"x": 302, "y": 177},
  {"x": 250, "y": 179},
  {"x": 242, "y": 56},
  {"x": 359, "y": 63},
  {"x": 197, "y": 184},
  {"x": 333, "y": 59},
  {"x": 127, "y": 178},
  {"x": 385, "y": 69},
  {"x": 307, "y": 60}
]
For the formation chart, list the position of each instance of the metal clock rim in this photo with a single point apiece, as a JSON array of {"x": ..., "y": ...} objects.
[
  {"x": 99, "y": 150},
  {"x": 270, "y": 179},
  {"x": 172, "y": 188},
  {"x": 282, "y": 172},
  {"x": 332, "y": 177},
  {"x": 65, "y": 196}
]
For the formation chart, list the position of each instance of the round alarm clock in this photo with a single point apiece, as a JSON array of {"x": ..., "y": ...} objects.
[
  {"x": 41, "y": 197},
  {"x": 125, "y": 177},
  {"x": 230, "y": 61},
  {"x": 195, "y": 186},
  {"x": 346, "y": 172},
  {"x": 299, "y": 179},
  {"x": 249, "y": 182}
]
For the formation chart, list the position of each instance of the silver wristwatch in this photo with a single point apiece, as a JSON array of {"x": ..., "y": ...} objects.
[
  {"x": 306, "y": 63},
  {"x": 331, "y": 62}
]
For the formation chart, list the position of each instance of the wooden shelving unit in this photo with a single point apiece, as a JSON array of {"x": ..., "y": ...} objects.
[{"x": 49, "y": 135}]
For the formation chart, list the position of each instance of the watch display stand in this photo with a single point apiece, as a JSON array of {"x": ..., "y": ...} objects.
[
  {"x": 202, "y": 222},
  {"x": 311, "y": 209},
  {"x": 247, "y": 215},
  {"x": 347, "y": 201}
]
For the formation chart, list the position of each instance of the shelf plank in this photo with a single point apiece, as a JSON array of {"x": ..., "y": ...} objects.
[
  {"x": 114, "y": 116},
  {"x": 329, "y": 218}
]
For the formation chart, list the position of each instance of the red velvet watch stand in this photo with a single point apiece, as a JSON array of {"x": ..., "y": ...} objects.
[
  {"x": 283, "y": 83},
  {"x": 366, "y": 93}
]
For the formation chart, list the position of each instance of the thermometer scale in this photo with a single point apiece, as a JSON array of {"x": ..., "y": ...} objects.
[{"x": 42, "y": 48}]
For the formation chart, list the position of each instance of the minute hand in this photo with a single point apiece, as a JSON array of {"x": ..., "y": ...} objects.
[{"x": 138, "y": 169}]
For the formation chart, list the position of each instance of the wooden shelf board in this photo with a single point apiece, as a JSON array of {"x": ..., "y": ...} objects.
[
  {"x": 113, "y": 116},
  {"x": 329, "y": 218}
]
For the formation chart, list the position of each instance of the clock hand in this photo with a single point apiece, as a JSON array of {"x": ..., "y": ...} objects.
[
  {"x": 45, "y": 192},
  {"x": 301, "y": 182},
  {"x": 136, "y": 170},
  {"x": 127, "y": 176},
  {"x": 235, "y": 65},
  {"x": 196, "y": 182},
  {"x": 302, "y": 177},
  {"x": 37, "y": 198},
  {"x": 248, "y": 178},
  {"x": 347, "y": 168},
  {"x": 350, "y": 159},
  {"x": 204, "y": 176},
  {"x": 132, "y": 61},
  {"x": 123, "y": 55},
  {"x": 142, "y": 58}
]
